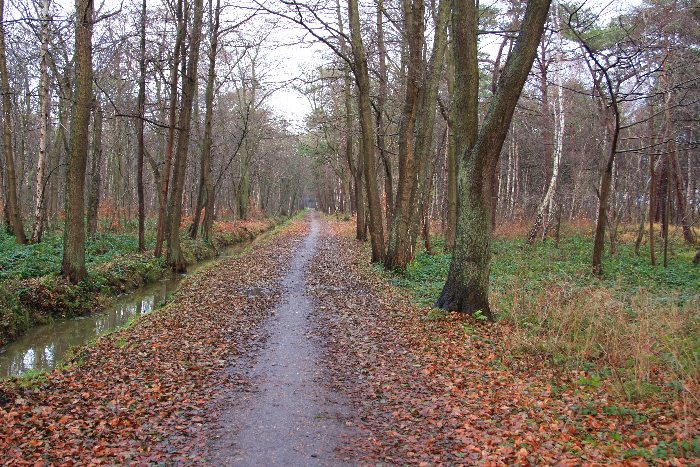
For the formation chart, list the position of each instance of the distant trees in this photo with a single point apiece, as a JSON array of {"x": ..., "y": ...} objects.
[
  {"x": 606, "y": 105},
  {"x": 97, "y": 136}
]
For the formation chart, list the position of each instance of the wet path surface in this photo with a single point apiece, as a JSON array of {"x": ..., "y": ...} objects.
[{"x": 284, "y": 415}]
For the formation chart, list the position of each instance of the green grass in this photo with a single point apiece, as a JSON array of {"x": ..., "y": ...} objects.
[
  {"x": 638, "y": 326},
  {"x": 25, "y": 261},
  {"x": 543, "y": 264}
]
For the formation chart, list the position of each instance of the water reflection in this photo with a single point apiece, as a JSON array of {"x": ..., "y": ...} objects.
[{"x": 43, "y": 347}]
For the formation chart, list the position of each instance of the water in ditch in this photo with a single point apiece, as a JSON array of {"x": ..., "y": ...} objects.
[{"x": 43, "y": 347}]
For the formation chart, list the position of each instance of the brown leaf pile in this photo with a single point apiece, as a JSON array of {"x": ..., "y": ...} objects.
[
  {"x": 445, "y": 391},
  {"x": 142, "y": 394}
]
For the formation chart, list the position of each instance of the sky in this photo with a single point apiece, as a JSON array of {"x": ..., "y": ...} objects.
[{"x": 287, "y": 60}]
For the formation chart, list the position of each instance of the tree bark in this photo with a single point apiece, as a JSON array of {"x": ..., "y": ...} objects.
[
  {"x": 95, "y": 171},
  {"x": 141, "y": 103},
  {"x": 467, "y": 285},
  {"x": 44, "y": 103},
  {"x": 12, "y": 206},
  {"x": 175, "y": 259},
  {"x": 376, "y": 226},
  {"x": 172, "y": 116},
  {"x": 73, "y": 265}
]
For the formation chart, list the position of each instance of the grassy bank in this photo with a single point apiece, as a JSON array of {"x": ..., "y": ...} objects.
[
  {"x": 636, "y": 329},
  {"x": 31, "y": 292}
]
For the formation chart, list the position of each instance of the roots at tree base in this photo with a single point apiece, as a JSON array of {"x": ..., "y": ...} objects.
[{"x": 470, "y": 300}]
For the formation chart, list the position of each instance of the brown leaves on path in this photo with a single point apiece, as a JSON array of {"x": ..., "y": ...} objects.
[
  {"x": 445, "y": 391},
  {"x": 141, "y": 395}
]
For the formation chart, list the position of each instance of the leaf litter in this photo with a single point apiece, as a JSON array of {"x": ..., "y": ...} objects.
[{"x": 446, "y": 391}]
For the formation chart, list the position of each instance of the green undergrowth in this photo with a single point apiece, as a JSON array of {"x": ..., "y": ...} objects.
[
  {"x": 32, "y": 292},
  {"x": 636, "y": 328}
]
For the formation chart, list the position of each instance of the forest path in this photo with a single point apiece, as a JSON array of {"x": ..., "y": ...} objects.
[{"x": 285, "y": 415}]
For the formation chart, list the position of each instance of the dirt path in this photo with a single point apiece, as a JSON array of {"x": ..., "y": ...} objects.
[{"x": 284, "y": 415}]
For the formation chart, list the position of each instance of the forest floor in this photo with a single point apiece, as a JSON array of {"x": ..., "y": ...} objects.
[{"x": 301, "y": 353}]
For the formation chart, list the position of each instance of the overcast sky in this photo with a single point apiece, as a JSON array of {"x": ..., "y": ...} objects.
[{"x": 287, "y": 60}]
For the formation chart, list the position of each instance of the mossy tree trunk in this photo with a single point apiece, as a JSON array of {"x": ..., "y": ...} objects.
[
  {"x": 73, "y": 265},
  {"x": 467, "y": 285}
]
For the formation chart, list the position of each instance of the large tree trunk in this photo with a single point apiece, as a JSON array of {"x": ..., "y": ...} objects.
[
  {"x": 206, "y": 187},
  {"x": 175, "y": 259},
  {"x": 467, "y": 285},
  {"x": 141, "y": 102},
  {"x": 376, "y": 226},
  {"x": 399, "y": 252},
  {"x": 73, "y": 265},
  {"x": 12, "y": 205},
  {"x": 95, "y": 171},
  {"x": 44, "y": 102},
  {"x": 172, "y": 115}
]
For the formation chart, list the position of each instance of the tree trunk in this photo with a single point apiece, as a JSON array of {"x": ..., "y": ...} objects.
[
  {"x": 95, "y": 171},
  {"x": 172, "y": 114},
  {"x": 376, "y": 226},
  {"x": 380, "y": 110},
  {"x": 415, "y": 176},
  {"x": 141, "y": 102},
  {"x": 12, "y": 206},
  {"x": 73, "y": 265},
  {"x": 175, "y": 259},
  {"x": 206, "y": 187},
  {"x": 399, "y": 251},
  {"x": 356, "y": 167},
  {"x": 44, "y": 102},
  {"x": 467, "y": 285},
  {"x": 452, "y": 159},
  {"x": 545, "y": 210},
  {"x": 604, "y": 191},
  {"x": 652, "y": 188}
]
